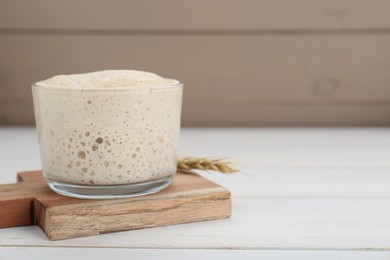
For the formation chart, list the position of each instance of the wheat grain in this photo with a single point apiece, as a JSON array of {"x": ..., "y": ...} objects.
[{"x": 205, "y": 164}]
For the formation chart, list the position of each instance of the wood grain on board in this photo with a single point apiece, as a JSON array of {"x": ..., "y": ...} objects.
[{"x": 189, "y": 198}]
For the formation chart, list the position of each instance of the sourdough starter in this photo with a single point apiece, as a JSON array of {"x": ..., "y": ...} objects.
[{"x": 108, "y": 127}]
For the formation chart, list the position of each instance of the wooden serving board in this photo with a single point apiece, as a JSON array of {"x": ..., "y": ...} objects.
[{"x": 189, "y": 198}]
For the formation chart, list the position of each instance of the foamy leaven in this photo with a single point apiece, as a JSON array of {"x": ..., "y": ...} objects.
[
  {"x": 108, "y": 79},
  {"x": 108, "y": 127}
]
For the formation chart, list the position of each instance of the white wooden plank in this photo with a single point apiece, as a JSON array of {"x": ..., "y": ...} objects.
[
  {"x": 19, "y": 147},
  {"x": 31, "y": 253},
  {"x": 274, "y": 162},
  {"x": 292, "y": 147},
  {"x": 340, "y": 163},
  {"x": 278, "y": 183},
  {"x": 189, "y": 15},
  {"x": 256, "y": 223},
  {"x": 308, "y": 182},
  {"x": 252, "y": 147}
]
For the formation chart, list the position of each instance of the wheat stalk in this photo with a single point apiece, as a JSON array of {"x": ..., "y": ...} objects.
[{"x": 206, "y": 164}]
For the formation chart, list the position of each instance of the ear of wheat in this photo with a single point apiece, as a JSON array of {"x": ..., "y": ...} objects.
[{"x": 206, "y": 164}]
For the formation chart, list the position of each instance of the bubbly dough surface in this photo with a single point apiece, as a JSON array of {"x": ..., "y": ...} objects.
[{"x": 108, "y": 79}]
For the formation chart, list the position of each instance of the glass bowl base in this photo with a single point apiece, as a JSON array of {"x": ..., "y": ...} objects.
[{"x": 109, "y": 191}]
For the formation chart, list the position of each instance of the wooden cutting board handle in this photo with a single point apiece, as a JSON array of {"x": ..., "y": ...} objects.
[
  {"x": 30, "y": 201},
  {"x": 17, "y": 200}
]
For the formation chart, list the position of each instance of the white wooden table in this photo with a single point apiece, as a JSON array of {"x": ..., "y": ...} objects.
[{"x": 302, "y": 194}]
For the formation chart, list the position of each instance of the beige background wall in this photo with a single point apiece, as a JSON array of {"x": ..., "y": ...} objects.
[{"x": 259, "y": 62}]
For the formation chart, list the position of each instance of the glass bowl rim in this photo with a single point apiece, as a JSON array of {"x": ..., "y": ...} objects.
[{"x": 143, "y": 88}]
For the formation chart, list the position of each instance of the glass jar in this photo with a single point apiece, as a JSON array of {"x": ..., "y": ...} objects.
[{"x": 108, "y": 143}]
